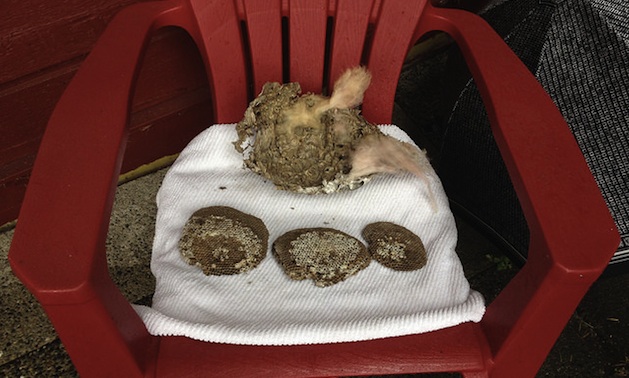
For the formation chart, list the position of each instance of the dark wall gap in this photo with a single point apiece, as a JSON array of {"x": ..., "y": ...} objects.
[
  {"x": 246, "y": 43},
  {"x": 326, "y": 86},
  {"x": 285, "y": 51}
]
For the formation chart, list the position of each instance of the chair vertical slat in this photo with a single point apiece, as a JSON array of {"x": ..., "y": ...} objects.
[
  {"x": 307, "y": 34},
  {"x": 348, "y": 41},
  {"x": 218, "y": 24},
  {"x": 264, "y": 25},
  {"x": 393, "y": 36}
]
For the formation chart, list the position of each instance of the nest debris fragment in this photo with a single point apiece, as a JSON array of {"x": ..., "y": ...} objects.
[
  {"x": 325, "y": 255},
  {"x": 395, "y": 246},
  {"x": 223, "y": 241}
]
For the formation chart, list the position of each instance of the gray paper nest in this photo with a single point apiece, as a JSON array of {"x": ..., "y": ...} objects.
[{"x": 316, "y": 144}]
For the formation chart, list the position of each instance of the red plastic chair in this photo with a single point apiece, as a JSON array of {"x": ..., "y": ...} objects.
[{"x": 58, "y": 248}]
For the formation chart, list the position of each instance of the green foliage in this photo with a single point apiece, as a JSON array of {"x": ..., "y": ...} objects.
[{"x": 502, "y": 262}]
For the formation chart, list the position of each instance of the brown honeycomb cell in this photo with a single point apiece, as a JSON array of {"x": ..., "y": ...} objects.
[
  {"x": 325, "y": 255},
  {"x": 395, "y": 246},
  {"x": 222, "y": 241}
]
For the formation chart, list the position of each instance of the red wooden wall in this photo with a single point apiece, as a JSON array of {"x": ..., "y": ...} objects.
[{"x": 42, "y": 44}]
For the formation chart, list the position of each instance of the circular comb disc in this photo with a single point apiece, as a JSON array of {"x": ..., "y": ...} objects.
[
  {"x": 395, "y": 246},
  {"x": 325, "y": 255},
  {"x": 222, "y": 240}
]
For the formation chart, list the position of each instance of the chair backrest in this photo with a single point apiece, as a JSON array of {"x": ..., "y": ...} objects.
[{"x": 311, "y": 42}]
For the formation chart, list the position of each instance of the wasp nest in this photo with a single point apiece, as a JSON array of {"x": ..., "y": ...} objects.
[
  {"x": 316, "y": 144},
  {"x": 221, "y": 241},
  {"x": 395, "y": 246},
  {"x": 325, "y": 255}
]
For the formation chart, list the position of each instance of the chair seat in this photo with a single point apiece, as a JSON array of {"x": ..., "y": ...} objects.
[
  {"x": 264, "y": 306},
  {"x": 451, "y": 349}
]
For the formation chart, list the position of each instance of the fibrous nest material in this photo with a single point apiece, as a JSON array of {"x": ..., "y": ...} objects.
[
  {"x": 316, "y": 144},
  {"x": 223, "y": 241},
  {"x": 395, "y": 246},
  {"x": 325, "y": 255}
]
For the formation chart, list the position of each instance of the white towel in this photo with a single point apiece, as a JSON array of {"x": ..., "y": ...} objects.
[{"x": 266, "y": 307}]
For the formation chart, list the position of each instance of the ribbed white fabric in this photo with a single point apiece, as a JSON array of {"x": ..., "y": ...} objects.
[{"x": 264, "y": 306}]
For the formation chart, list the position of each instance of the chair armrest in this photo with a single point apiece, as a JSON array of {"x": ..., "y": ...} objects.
[
  {"x": 555, "y": 187},
  {"x": 58, "y": 250},
  {"x": 573, "y": 235}
]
